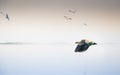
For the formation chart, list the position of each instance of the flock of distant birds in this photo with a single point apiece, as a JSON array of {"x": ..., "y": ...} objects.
[
  {"x": 66, "y": 17},
  {"x": 5, "y": 15},
  {"x": 70, "y": 11},
  {"x": 70, "y": 18}
]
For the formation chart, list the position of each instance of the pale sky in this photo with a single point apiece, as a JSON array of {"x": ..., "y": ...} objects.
[{"x": 43, "y": 20}]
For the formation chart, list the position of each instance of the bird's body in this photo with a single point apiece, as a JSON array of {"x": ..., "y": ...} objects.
[{"x": 83, "y": 45}]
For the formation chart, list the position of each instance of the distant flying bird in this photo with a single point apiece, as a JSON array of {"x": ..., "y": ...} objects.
[
  {"x": 7, "y": 17},
  {"x": 67, "y": 18},
  {"x": 72, "y": 11},
  {"x": 85, "y": 24},
  {"x": 83, "y": 45}
]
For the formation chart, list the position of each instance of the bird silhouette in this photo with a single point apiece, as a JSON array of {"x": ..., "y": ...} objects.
[
  {"x": 83, "y": 45},
  {"x": 85, "y": 24},
  {"x": 5, "y": 15}
]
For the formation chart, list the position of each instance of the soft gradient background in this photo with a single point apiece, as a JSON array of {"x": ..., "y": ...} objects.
[{"x": 42, "y": 23}]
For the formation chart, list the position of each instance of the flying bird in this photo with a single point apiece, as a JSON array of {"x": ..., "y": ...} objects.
[
  {"x": 5, "y": 15},
  {"x": 83, "y": 45},
  {"x": 85, "y": 24},
  {"x": 67, "y": 18}
]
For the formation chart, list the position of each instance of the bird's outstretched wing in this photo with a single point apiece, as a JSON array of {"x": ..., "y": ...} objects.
[
  {"x": 7, "y": 17},
  {"x": 72, "y": 11},
  {"x": 82, "y": 47}
]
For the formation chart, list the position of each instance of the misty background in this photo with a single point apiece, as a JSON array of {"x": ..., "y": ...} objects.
[{"x": 51, "y": 36}]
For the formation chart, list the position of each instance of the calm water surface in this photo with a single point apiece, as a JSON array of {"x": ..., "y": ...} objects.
[{"x": 59, "y": 59}]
